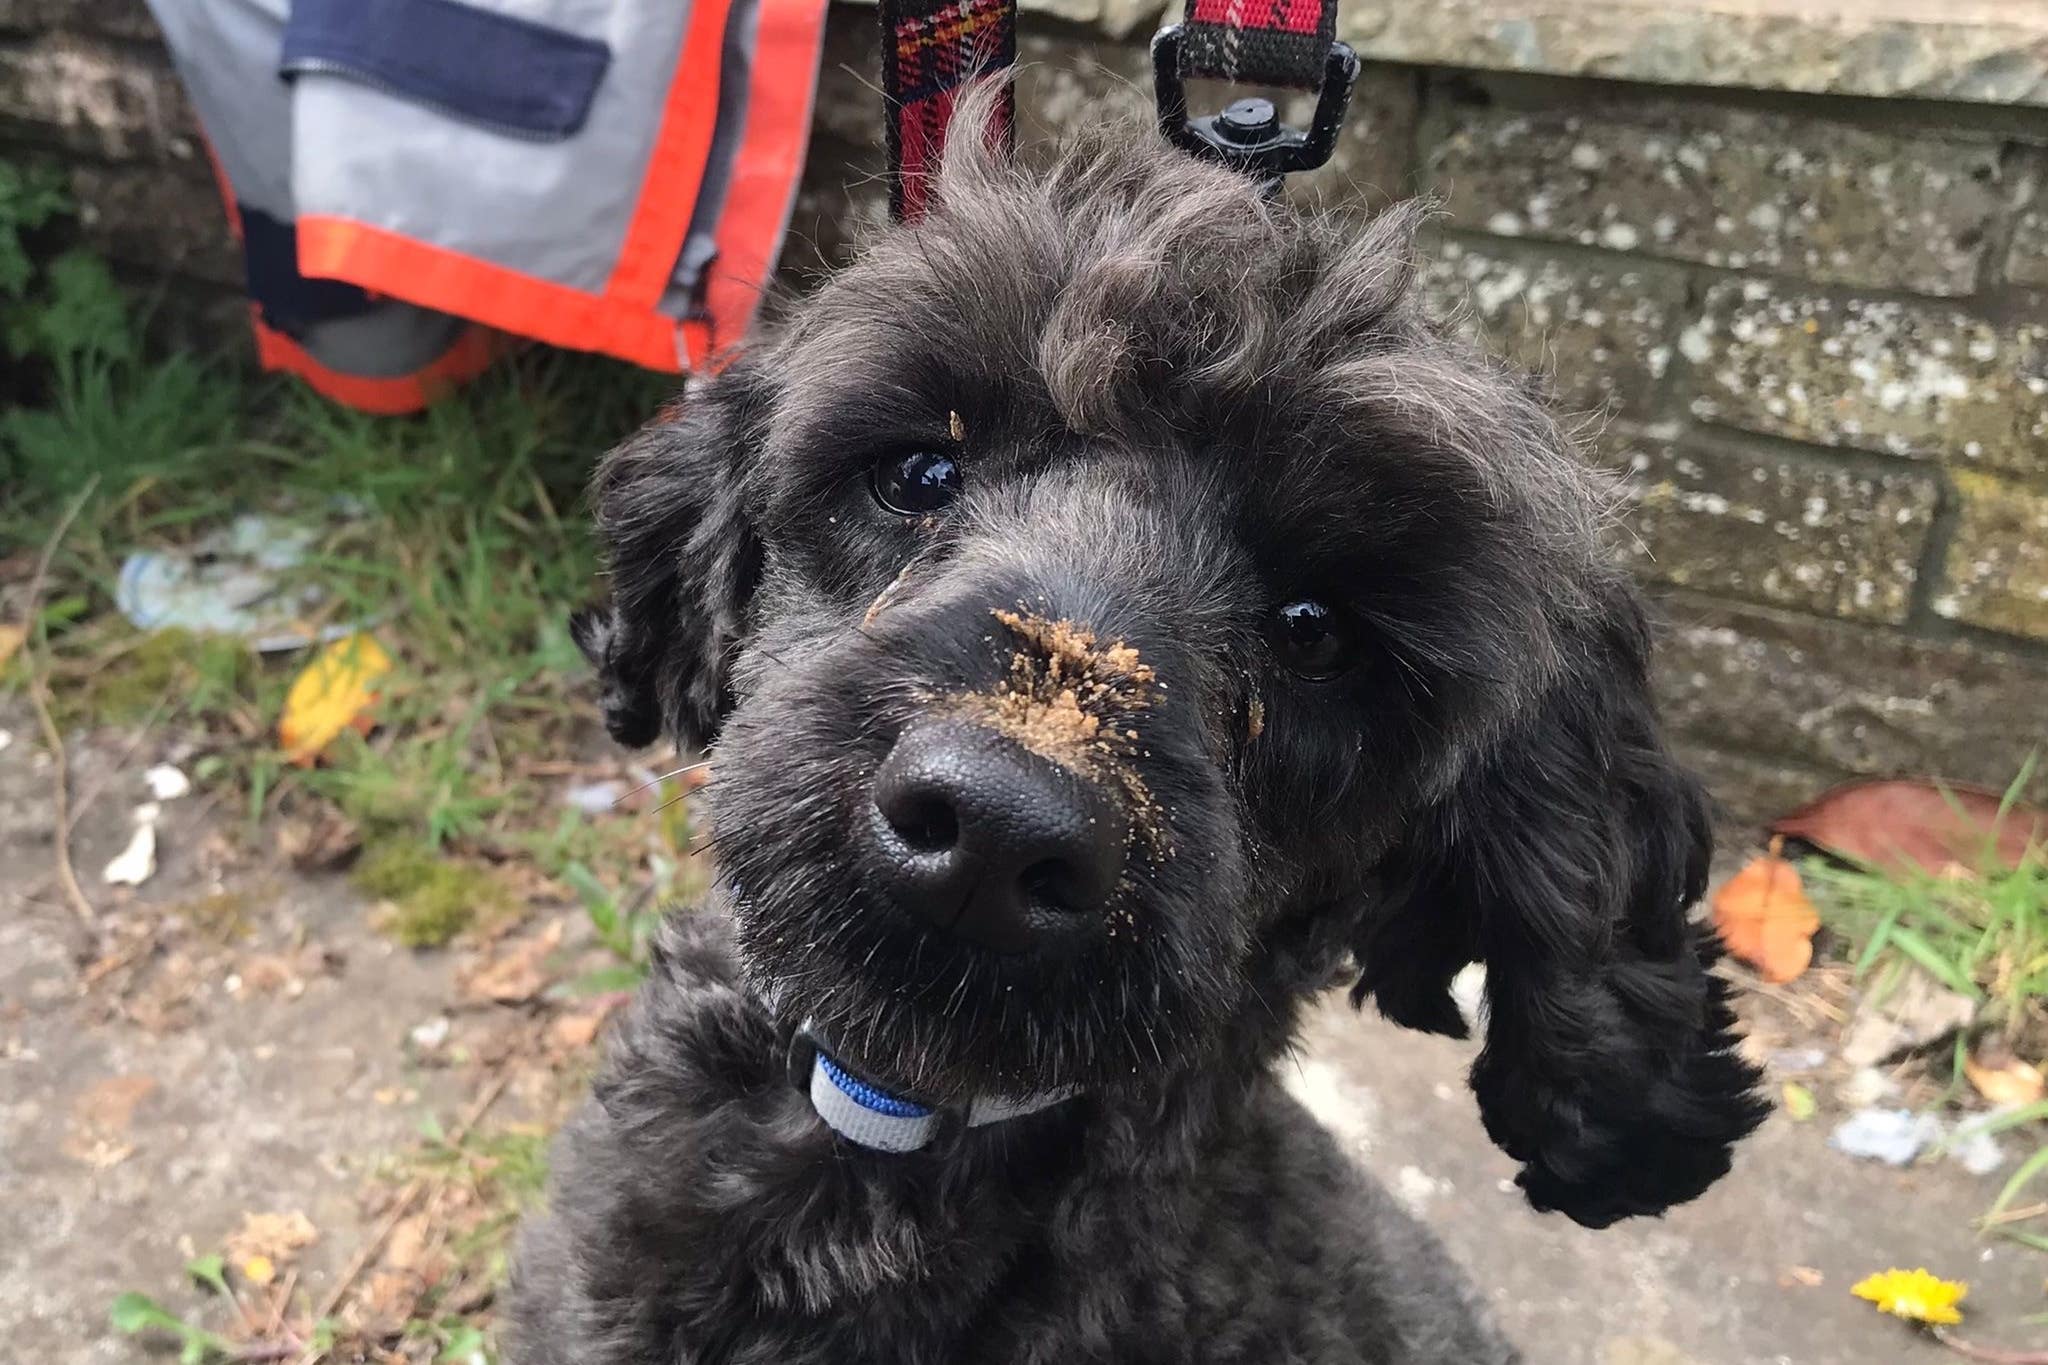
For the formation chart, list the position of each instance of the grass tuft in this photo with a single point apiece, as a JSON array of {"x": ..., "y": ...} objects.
[
  {"x": 433, "y": 897},
  {"x": 1982, "y": 932}
]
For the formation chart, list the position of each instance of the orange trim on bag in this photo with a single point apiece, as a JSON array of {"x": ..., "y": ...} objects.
[
  {"x": 770, "y": 163},
  {"x": 472, "y": 353},
  {"x": 436, "y": 277},
  {"x": 675, "y": 168}
]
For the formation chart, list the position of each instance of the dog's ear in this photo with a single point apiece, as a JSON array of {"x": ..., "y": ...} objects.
[
  {"x": 684, "y": 558},
  {"x": 1566, "y": 858}
]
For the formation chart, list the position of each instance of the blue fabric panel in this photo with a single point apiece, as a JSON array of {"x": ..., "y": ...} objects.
[
  {"x": 290, "y": 302},
  {"x": 494, "y": 69}
]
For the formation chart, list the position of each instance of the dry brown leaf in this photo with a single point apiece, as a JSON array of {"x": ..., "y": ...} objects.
[
  {"x": 282, "y": 973},
  {"x": 1805, "y": 1276},
  {"x": 2005, "y": 1081},
  {"x": 1764, "y": 917},
  {"x": 272, "y": 1238},
  {"x": 575, "y": 1032},
  {"x": 110, "y": 1106},
  {"x": 406, "y": 1247},
  {"x": 321, "y": 842},
  {"x": 11, "y": 639},
  {"x": 519, "y": 973},
  {"x": 1908, "y": 824},
  {"x": 100, "y": 1119}
]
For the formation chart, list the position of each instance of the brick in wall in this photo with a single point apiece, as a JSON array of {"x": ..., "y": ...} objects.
[
  {"x": 97, "y": 100},
  {"x": 1837, "y": 699},
  {"x": 140, "y": 216},
  {"x": 1917, "y": 379},
  {"x": 1732, "y": 188},
  {"x": 1998, "y": 560},
  {"x": 1771, "y": 528},
  {"x": 1603, "y": 334},
  {"x": 113, "y": 18},
  {"x": 2027, "y": 263}
]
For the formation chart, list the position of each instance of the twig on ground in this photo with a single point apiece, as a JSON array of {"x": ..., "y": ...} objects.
[
  {"x": 1990, "y": 1355},
  {"x": 2019, "y": 1215},
  {"x": 281, "y": 1302},
  {"x": 35, "y": 654},
  {"x": 408, "y": 1197},
  {"x": 121, "y": 768}
]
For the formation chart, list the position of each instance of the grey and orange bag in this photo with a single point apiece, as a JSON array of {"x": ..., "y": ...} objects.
[{"x": 419, "y": 183}]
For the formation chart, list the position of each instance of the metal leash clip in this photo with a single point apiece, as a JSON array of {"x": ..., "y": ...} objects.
[{"x": 1248, "y": 135}]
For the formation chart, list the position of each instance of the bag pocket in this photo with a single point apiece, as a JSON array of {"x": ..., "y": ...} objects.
[{"x": 509, "y": 74}]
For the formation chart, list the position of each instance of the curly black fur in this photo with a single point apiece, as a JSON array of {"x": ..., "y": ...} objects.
[{"x": 1175, "y": 406}]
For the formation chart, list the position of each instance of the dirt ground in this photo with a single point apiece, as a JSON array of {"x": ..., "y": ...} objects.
[{"x": 141, "y": 1115}]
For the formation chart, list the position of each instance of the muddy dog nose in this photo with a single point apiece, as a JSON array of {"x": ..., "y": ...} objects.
[{"x": 990, "y": 842}]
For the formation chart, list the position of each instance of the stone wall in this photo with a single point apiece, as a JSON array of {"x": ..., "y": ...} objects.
[
  {"x": 85, "y": 83},
  {"x": 1809, "y": 333},
  {"x": 1793, "y": 270}
]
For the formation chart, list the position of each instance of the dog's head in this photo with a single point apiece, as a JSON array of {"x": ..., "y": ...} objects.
[{"x": 1110, "y": 596}]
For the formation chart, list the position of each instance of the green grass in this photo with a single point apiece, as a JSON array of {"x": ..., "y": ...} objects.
[
  {"x": 502, "y": 1173},
  {"x": 458, "y": 536},
  {"x": 1982, "y": 933}
]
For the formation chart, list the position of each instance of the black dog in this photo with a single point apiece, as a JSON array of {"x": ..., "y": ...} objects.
[{"x": 1117, "y": 609}]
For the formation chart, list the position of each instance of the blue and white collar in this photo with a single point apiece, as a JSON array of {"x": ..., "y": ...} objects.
[{"x": 869, "y": 1116}]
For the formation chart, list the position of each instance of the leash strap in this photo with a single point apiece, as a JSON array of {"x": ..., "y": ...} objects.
[
  {"x": 930, "y": 51},
  {"x": 1258, "y": 42}
]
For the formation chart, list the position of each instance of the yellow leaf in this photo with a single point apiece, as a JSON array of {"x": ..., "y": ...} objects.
[
  {"x": 1799, "y": 1102},
  {"x": 11, "y": 639},
  {"x": 259, "y": 1270},
  {"x": 333, "y": 692},
  {"x": 1764, "y": 917},
  {"x": 1915, "y": 1295}
]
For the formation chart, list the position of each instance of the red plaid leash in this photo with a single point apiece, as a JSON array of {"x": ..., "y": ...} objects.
[
  {"x": 1258, "y": 42},
  {"x": 931, "y": 50},
  {"x": 929, "y": 53}
]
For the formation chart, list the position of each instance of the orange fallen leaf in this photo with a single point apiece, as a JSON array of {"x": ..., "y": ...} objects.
[
  {"x": 1764, "y": 917},
  {"x": 2010, "y": 1082},
  {"x": 11, "y": 639},
  {"x": 332, "y": 693}
]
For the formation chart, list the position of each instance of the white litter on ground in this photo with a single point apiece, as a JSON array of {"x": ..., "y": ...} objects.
[
  {"x": 1899, "y": 1137},
  {"x": 135, "y": 864},
  {"x": 167, "y": 782},
  {"x": 594, "y": 798}
]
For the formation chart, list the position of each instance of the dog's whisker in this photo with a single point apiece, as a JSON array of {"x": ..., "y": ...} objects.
[{"x": 664, "y": 777}]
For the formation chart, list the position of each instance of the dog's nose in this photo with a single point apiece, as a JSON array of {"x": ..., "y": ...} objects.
[{"x": 993, "y": 843}]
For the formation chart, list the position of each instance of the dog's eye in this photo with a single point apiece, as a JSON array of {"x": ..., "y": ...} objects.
[
  {"x": 916, "y": 483},
  {"x": 1313, "y": 640}
]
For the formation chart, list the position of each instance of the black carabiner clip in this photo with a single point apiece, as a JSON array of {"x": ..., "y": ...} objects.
[{"x": 1248, "y": 135}]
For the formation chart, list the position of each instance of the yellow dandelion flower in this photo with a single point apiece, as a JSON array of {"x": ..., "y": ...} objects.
[{"x": 1914, "y": 1294}]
